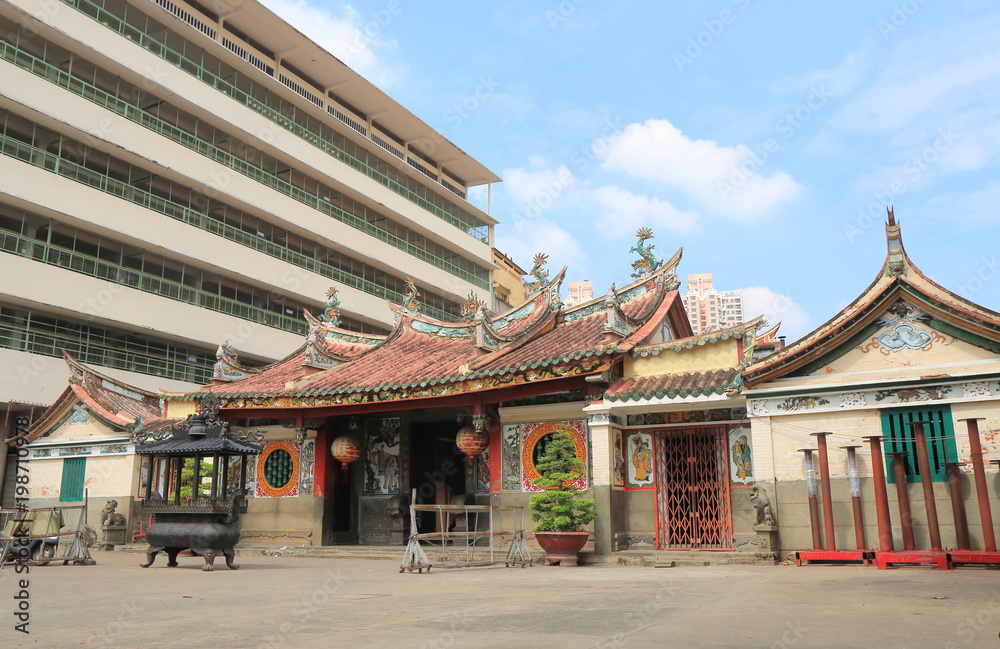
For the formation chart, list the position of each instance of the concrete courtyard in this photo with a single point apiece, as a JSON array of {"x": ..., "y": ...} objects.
[{"x": 304, "y": 603}]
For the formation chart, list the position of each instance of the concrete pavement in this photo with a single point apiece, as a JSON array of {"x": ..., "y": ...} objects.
[{"x": 304, "y": 603}]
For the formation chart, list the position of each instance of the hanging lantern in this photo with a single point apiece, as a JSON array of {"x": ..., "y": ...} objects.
[
  {"x": 470, "y": 441},
  {"x": 346, "y": 449}
]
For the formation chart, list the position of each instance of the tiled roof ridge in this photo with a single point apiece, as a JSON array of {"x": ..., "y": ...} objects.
[
  {"x": 450, "y": 378},
  {"x": 540, "y": 326},
  {"x": 679, "y": 384},
  {"x": 83, "y": 370},
  {"x": 744, "y": 330}
]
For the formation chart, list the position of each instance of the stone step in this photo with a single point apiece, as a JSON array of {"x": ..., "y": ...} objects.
[{"x": 647, "y": 558}]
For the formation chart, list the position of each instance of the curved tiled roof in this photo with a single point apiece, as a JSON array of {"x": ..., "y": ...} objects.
[
  {"x": 671, "y": 386},
  {"x": 422, "y": 352}
]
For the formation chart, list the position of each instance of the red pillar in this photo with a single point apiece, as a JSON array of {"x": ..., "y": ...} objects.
[
  {"x": 930, "y": 505},
  {"x": 903, "y": 498},
  {"x": 824, "y": 483},
  {"x": 323, "y": 461},
  {"x": 885, "y": 543},
  {"x": 496, "y": 456},
  {"x": 979, "y": 473}
]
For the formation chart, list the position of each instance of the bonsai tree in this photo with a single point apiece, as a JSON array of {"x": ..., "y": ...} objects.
[
  {"x": 187, "y": 479},
  {"x": 558, "y": 508}
]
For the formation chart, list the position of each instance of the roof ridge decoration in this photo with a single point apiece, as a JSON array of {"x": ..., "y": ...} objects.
[
  {"x": 228, "y": 367},
  {"x": 487, "y": 339},
  {"x": 331, "y": 314},
  {"x": 896, "y": 261},
  {"x": 472, "y": 306},
  {"x": 647, "y": 263},
  {"x": 616, "y": 322},
  {"x": 78, "y": 370},
  {"x": 411, "y": 303},
  {"x": 539, "y": 273},
  {"x": 316, "y": 353}
]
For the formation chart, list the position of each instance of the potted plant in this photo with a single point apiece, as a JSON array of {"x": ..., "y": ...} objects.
[{"x": 558, "y": 511}]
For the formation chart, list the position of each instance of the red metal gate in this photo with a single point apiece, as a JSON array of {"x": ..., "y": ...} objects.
[{"x": 691, "y": 484}]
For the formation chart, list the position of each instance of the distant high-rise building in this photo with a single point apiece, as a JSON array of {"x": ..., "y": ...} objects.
[
  {"x": 580, "y": 292},
  {"x": 709, "y": 309}
]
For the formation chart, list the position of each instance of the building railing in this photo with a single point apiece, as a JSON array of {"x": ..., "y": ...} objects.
[
  {"x": 102, "y": 182},
  {"x": 455, "y": 216},
  {"x": 127, "y": 354},
  {"x": 64, "y": 80},
  {"x": 60, "y": 257}
]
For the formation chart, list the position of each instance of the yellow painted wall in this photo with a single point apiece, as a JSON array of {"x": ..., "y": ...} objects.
[
  {"x": 179, "y": 409},
  {"x": 946, "y": 350},
  {"x": 710, "y": 356}
]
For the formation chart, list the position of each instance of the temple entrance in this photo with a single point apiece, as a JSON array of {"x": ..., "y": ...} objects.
[
  {"x": 340, "y": 512},
  {"x": 437, "y": 468},
  {"x": 691, "y": 485}
]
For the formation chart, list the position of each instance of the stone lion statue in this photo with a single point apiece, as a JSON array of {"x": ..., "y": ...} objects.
[
  {"x": 111, "y": 518},
  {"x": 762, "y": 505}
]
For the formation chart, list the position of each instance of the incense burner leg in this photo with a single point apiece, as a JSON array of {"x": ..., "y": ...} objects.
[
  {"x": 172, "y": 557},
  {"x": 151, "y": 553},
  {"x": 230, "y": 556},
  {"x": 210, "y": 555}
]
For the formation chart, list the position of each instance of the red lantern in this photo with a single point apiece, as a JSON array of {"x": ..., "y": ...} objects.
[
  {"x": 346, "y": 449},
  {"x": 470, "y": 441}
]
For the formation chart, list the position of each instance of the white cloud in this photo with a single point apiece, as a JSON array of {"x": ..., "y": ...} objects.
[
  {"x": 775, "y": 307},
  {"x": 623, "y": 213},
  {"x": 726, "y": 179},
  {"x": 350, "y": 37}
]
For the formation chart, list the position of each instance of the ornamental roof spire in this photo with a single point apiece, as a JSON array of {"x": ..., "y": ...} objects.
[
  {"x": 411, "y": 303},
  {"x": 539, "y": 273},
  {"x": 647, "y": 263},
  {"x": 896, "y": 260},
  {"x": 331, "y": 314}
]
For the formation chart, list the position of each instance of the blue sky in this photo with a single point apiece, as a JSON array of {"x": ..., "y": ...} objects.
[{"x": 764, "y": 138}]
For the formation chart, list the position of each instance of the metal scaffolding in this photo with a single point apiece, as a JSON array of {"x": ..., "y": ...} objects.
[{"x": 477, "y": 538}]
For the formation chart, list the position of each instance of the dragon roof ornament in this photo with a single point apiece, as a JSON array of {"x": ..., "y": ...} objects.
[
  {"x": 647, "y": 263},
  {"x": 331, "y": 314},
  {"x": 411, "y": 303},
  {"x": 539, "y": 273}
]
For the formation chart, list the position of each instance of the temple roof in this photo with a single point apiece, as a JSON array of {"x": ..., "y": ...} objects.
[
  {"x": 424, "y": 357},
  {"x": 898, "y": 281},
  {"x": 114, "y": 402},
  {"x": 672, "y": 386},
  {"x": 715, "y": 375}
]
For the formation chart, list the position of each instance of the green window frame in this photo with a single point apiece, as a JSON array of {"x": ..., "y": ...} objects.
[
  {"x": 74, "y": 473},
  {"x": 278, "y": 468},
  {"x": 940, "y": 433}
]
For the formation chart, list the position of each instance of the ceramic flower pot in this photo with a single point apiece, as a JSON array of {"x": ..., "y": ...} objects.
[{"x": 562, "y": 548}]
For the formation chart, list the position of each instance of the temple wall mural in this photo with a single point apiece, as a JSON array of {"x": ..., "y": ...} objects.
[
  {"x": 741, "y": 455},
  {"x": 383, "y": 469},
  {"x": 510, "y": 447},
  {"x": 639, "y": 460}
]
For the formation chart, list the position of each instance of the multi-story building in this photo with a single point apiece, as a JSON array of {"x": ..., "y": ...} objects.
[
  {"x": 709, "y": 309},
  {"x": 580, "y": 292},
  {"x": 176, "y": 174}
]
